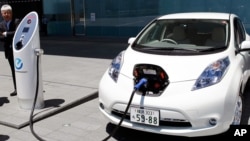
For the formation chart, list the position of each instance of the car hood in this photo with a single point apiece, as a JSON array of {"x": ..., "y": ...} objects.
[{"x": 178, "y": 68}]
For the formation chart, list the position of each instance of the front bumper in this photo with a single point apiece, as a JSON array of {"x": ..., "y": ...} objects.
[{"x": 183, "y": 112}]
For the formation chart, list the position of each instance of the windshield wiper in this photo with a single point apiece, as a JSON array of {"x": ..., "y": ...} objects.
[
  {"x": 170, "y": 48},
  {"x": 213, "y": 49}
]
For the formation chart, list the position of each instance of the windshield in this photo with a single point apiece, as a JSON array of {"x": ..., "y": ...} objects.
[{"x": 200, "y": 35}]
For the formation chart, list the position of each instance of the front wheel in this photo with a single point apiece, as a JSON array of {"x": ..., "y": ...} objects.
[{"x": 238, "y": 111}]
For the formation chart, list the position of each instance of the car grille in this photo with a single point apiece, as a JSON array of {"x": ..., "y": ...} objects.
[{"x": 166, "y": 122}]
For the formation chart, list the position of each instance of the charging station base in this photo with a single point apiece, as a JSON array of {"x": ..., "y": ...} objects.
[{"x": 27, "y": 104}]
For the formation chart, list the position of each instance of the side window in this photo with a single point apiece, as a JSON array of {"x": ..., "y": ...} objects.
[
  {"x": 150, "y": 34},
  {"x": 155, "y": 33},
  {"x": 239, "y": 32}
]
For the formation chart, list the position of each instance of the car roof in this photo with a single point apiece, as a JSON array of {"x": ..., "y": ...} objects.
[{"x": 197, "y": 15}]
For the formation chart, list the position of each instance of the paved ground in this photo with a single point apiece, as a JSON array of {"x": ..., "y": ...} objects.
[{"x": 71, "y": 70}]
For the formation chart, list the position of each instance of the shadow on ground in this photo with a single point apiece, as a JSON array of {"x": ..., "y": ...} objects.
[
  {"x": 4, "y": 137},
  {"x": 125, "y": 134}
]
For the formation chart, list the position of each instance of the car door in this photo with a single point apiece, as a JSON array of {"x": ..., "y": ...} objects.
[{"x": 240, "y": 36}]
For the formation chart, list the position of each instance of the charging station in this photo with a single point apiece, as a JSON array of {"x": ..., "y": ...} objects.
[{"x": 26, "y": 50}]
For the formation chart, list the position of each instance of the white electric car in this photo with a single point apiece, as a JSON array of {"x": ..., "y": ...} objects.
[{"x": 196, "y": 67}]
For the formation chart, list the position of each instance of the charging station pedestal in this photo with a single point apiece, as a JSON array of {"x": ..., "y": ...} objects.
[{"x": 26, "y": 50}]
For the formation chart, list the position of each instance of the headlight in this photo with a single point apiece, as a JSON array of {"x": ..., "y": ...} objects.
[
  {"x": 212, "y": 74},
  {"x": 115, "y": 66}
]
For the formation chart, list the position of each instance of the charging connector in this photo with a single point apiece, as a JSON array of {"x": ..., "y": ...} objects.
[
  {"x": 142, "y": 82},
  {"x": 157, "y": 78}
]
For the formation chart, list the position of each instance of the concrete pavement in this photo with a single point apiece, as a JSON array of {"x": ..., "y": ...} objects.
[{"x": 71, "y": 70}]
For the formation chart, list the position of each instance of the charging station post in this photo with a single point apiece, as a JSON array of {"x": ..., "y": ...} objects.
[{"x": 26, "y": 50}]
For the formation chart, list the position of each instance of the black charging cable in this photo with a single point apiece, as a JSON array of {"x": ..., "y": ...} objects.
[
  {"x": 137, "y": 86},
  {"x": 34, "y": 104}
]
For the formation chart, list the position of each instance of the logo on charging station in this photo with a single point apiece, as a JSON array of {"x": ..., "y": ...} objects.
[{"x": 18, "y": 63}]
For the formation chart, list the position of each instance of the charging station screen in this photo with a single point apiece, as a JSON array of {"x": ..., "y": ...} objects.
[{"x": 25, "y": 29}]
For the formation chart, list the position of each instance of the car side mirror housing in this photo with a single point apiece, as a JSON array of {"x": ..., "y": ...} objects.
[
  {"x": 131, "y": 40},
  {"x": 245, "y": 46}
]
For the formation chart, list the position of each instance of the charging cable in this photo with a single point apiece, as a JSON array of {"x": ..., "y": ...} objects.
[
  {"x": 136, "y": 87},
  {"x": 35, "y": 99}
]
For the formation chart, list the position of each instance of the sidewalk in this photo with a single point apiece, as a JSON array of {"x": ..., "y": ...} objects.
[{"x": 71, "y": 70}]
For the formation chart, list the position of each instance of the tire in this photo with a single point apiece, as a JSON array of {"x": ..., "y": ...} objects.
[{"x": 238, "y": 111}]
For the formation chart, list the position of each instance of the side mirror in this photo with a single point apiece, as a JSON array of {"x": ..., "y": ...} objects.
[
  {"x": 131, "y": 40},
  {"x": 245, "y": 46}
]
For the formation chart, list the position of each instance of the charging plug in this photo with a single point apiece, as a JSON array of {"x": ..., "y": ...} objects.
[
  {"x": 137, "y": 86},
  {"x": 140, "y": 83},
  {"x": 38, "y": 51}
]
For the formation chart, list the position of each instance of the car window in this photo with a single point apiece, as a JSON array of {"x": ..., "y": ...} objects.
[{"x": 239, "y": 32}]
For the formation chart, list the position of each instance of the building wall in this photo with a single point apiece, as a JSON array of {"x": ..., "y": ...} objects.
[{"x": 124, "y": 18}]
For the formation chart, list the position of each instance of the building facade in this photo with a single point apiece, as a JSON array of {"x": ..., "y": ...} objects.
[{"x": 118, "y": 18}]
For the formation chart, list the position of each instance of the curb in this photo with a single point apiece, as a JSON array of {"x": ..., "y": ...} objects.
[{"x": 54, "y": 112}]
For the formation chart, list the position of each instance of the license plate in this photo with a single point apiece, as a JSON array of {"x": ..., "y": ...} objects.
[{"x": 145, "y": 116}]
